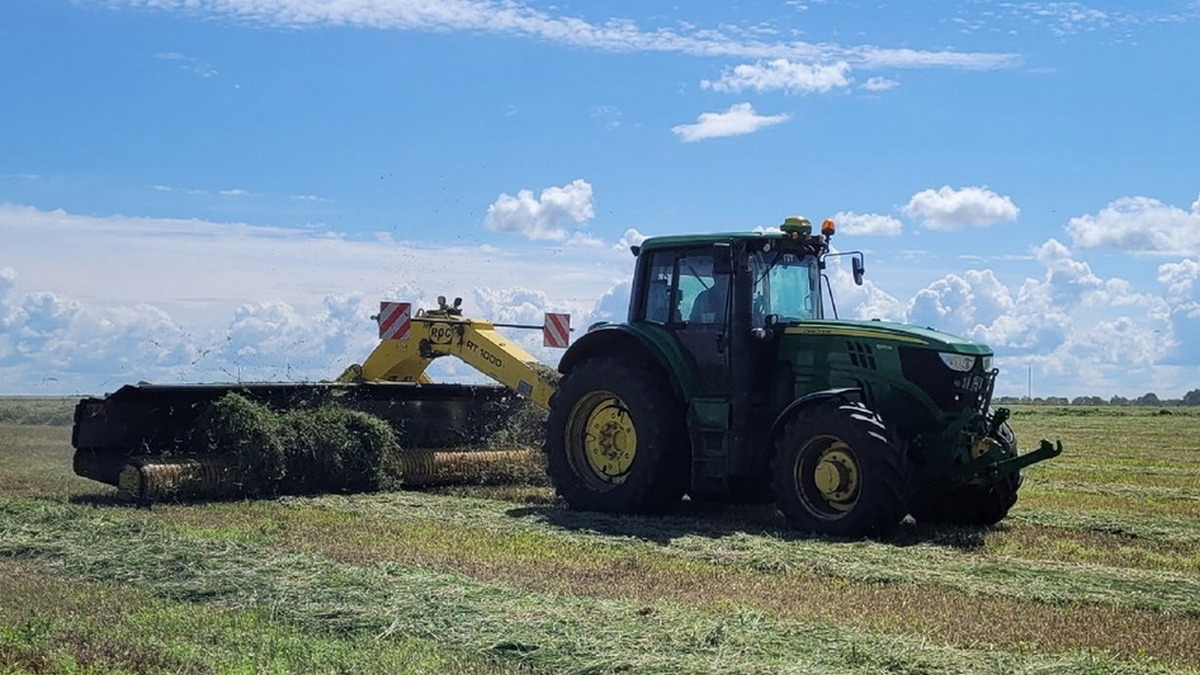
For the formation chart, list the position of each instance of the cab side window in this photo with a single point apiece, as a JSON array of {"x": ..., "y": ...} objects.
[
  {"x": 703, "y": 293},
  {"x": 660, "y": 289},
  {"x": 682, "y": 287}
]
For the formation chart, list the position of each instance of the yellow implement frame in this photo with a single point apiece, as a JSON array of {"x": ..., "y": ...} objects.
[{"x": 445, "y": 332}]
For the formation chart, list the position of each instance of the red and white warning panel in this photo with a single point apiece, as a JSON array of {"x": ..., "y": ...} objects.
[
  {"x": 395, "y": 318},
  {"x": 556, "y": 331}
]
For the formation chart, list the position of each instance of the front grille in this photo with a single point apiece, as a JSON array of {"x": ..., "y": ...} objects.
[{"x": 951, "y": 390}]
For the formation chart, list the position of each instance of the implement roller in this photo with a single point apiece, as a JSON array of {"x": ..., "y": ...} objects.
[{"x": 148, "y": 478}]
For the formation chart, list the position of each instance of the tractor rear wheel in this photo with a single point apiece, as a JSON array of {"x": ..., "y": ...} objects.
[
  {"x": 980, "y": 505},
  {"x": 616, "y": 438},
  {"x": 839, "y": 472}
]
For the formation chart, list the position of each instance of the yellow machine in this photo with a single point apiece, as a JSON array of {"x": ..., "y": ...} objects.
[{"x": 404, "y": 356}]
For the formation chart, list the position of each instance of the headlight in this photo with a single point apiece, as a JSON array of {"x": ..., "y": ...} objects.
[
  {"x": 987, "y": 363},
  {"x": 958, "y": 362}
]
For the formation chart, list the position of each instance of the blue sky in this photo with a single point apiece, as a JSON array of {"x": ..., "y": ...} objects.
[{"x": 199, "y": 190}]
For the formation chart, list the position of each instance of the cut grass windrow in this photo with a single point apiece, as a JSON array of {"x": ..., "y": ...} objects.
[
  {"x": 555, "y": 631},
  {"x": 941, "y": 560},
  {"x": 50, "y": 624},
  {"x": 1047, "y": 498},
  {"x": 1116, "y": 471},
  {"x": 1152, "y": 530},
  {"x": 866, "y": 585},
  {"x": 1154, "y": 493}
]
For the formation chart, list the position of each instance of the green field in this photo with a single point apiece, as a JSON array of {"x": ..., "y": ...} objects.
[{"x": 1097, "y": 570}]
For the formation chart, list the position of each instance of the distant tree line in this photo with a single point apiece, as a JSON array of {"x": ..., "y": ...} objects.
[{"x": 1149, "y": 398}]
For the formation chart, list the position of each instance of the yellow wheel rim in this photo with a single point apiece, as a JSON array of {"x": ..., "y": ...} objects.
[
  {"x": 607, "y": 442},
  {"x": 836, "y": 477},
  {"x": 828, "y": 477}
]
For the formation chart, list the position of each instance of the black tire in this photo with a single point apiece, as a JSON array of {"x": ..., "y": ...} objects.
[
  {"x": 616, "y": 438},
  {"x": 968, "y": 504},
  {"x": 838, "y": 471}
]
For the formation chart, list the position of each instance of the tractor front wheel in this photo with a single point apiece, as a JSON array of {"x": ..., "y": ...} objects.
[
  {"x": 838, "y": 472},
  {"x": 616, "y": 438}
]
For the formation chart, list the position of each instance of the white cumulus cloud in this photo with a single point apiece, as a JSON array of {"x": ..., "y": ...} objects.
[
  {"x": 45, "y": 337},
  {"x": 1140, "y": 224},
  {"x": 548, "y": 216},
  {"x": 1087, "y": 333},
  {"x": 740, "y": 119},
  {"x": 849, "y": 222},
  {"x": 1181, "y": 279},
  {"x": 614, "y": 304},
  {"x": 630, "y": 239},
  {"x": 948, "y": 209},
  {"x": 867, "y": 301}
]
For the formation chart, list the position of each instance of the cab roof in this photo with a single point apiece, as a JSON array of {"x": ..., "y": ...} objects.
[{"x": 684, "y": 240}]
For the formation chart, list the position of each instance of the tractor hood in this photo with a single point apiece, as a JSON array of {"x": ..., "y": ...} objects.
[
  {"x": 887, "y": 331},
  {"x": 952, "y": 373}
]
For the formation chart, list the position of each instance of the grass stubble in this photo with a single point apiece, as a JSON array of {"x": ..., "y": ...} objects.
[{"x": 1100, "y": 583}]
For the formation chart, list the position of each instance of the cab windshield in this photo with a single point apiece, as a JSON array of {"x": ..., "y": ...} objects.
[{"x": 786, "y": 285}]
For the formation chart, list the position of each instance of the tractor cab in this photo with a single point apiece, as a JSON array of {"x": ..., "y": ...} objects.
[
  {"x": 778, "y": 276},
  {"x": 730, "y": 380},
  {"x": 720, "y": 305},
  {"x": 717, "y": 295}
]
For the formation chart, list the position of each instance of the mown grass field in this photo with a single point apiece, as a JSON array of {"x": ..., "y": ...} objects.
[{"x": 1097, "y": 570}]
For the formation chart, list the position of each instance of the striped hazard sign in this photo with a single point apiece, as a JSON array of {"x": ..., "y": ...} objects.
[
  {"x": 394, "y": 320},
  {"x": 556, "y": 331}
]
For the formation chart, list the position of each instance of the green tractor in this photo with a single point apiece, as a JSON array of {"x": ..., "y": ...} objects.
[{"x": 728, "y": 383}]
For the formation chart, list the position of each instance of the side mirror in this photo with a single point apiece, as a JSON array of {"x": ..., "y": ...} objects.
[{"x": 856, "y": 264}]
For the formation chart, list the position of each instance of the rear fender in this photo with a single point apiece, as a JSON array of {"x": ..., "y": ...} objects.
[{"x": 650, "y": 343}]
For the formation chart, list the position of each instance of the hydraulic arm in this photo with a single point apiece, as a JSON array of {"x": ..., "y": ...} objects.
[{"x": 409, "y": 344}]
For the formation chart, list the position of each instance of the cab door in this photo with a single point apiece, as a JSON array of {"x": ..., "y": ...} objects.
[{"x": 688, "y": 293}]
